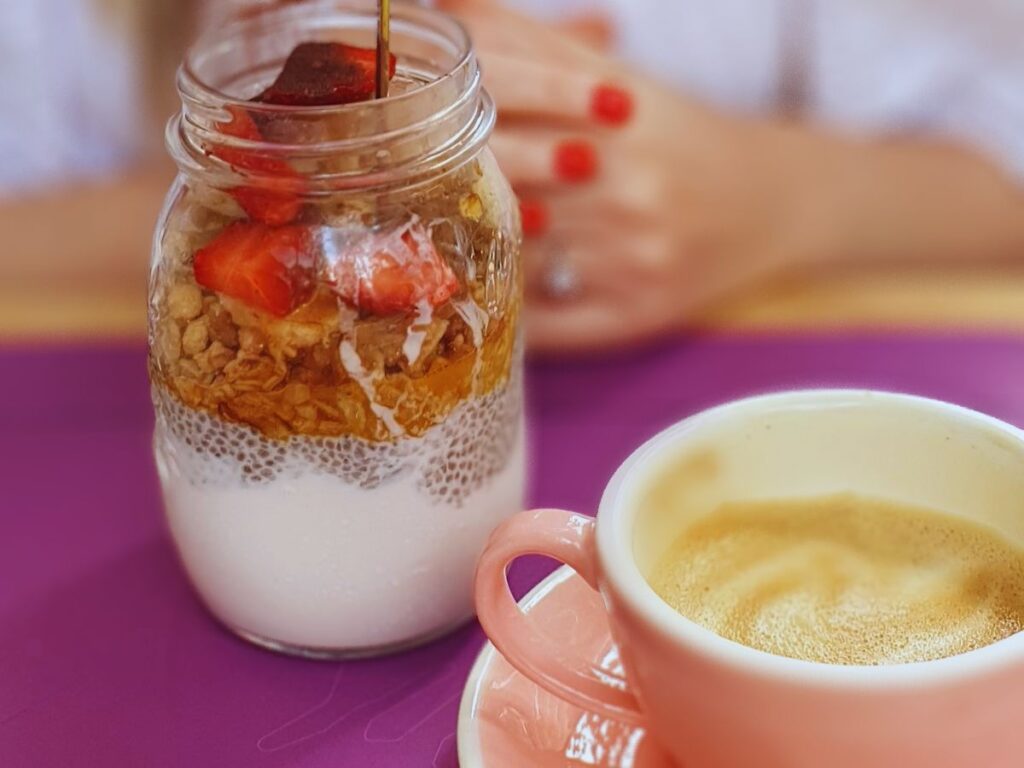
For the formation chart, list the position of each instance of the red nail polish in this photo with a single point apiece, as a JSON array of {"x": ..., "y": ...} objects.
[
  {"x": 611, "y": 105},
  {"x": 576, "y": 161},
  {"x": 535, "y": 217}
]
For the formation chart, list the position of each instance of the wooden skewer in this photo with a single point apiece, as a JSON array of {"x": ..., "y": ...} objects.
[{"x": 383, "y": 49}]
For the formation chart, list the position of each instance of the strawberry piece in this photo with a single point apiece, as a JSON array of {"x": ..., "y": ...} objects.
[
  {"x": 384, "y": 273},
  {"x": 315, "y": 74},
  {"x": 269, "y": 206},
  {"x": 321, "y": 74},
  {"x": 272, "y": 269},
  {"x": 243, "y": 126}
]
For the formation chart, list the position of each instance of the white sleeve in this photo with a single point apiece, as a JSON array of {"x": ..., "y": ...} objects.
[
  {"x": 69, "y": 103},
  {"x": 936, "y": 67},
  {"x": 724, "y": 52}
]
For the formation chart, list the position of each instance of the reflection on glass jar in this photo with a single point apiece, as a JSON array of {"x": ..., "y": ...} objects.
[{"x": 335, "y": 351}]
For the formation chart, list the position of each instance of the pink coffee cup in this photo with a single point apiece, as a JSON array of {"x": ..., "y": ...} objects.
[{"x": 714, "y": 703}]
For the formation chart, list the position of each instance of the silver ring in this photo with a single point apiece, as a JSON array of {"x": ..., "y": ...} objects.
[{"x": 561, "y": 276}]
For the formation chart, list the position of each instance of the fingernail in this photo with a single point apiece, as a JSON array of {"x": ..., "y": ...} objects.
[
  {"x": 535, "y": 217},
  {"x": 576, "y": 161},
  {"x": 611, "y": 105}
]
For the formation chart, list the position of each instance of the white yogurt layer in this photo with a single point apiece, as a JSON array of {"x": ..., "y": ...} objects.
[{"x": 312, "y": 561}]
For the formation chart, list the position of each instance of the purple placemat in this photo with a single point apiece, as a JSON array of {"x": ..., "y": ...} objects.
[{"x": 107, "y": 660}]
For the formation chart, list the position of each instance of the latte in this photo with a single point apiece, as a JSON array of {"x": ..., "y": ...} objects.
[{"x": 845, "y": 580}]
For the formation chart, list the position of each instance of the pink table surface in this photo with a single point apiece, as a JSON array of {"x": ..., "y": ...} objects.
[{"x": 107, "y": 660}]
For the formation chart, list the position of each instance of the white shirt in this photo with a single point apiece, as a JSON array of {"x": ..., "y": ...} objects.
[
  {"x": 69, "y": 93},
  {"x": 69, "y": 102},
  {"x": 951, "y": 68}
]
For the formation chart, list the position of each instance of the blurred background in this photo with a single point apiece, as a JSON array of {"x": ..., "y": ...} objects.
[
  {"x": 791, "y": 164},
  {"x": 720, "y": 197}
]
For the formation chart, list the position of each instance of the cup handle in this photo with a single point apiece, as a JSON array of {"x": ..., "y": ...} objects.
[{"x": 569, "y": 538}]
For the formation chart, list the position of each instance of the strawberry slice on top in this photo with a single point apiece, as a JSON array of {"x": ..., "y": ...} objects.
[
  {"x": 269, "y": 262},
  {"x": 272, "y": 269},
  {"x": 323, "y": 74},
  {"x": 390, "y": 272},
  {"x": 315, "y": 74},
  {"x": 262, "y": 204}
]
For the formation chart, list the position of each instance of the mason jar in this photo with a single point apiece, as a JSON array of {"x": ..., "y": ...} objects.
[{"x": 335, "y": 346}]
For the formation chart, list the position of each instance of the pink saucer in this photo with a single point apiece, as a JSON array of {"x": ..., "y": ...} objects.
[{"x": 506, "y": 721}]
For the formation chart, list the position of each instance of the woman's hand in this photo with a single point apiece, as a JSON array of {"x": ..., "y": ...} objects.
[{"x": 639, "y": 206}]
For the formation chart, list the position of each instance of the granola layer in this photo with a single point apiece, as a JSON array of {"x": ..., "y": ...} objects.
[{"x": 330, "y": 369}]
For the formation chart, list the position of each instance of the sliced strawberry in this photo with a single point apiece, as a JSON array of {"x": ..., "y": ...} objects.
[
  {"x": 315, "y": 74},
  {"x": 269, "y": 206},
  {"x": 242, "y": 126},
  {"x": 384, "y": 273},
  {"x": 272, "y": 269},
  {"x": 321, "y": 74}
]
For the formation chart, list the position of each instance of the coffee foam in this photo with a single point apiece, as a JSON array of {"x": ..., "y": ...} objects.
[
  {"x": 845, "y": 580},
  {"x": 450, "y": 462}
]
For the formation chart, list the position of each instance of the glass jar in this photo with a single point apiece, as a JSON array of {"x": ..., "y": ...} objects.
[{"x": 335, "y": 351}]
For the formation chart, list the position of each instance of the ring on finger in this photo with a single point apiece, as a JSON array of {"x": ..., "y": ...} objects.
[{"x": 561, "y": 276}]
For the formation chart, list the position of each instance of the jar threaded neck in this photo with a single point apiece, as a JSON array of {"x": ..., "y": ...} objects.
[{"x": 436, "y": 123}]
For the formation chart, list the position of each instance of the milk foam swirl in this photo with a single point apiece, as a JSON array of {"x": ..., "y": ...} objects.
[{"x": 845, "y": 580}]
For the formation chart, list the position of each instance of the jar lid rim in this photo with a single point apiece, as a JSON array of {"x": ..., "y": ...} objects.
[
  {"x": 451, "y": 107},
  {"x": 195, "y": 90}
]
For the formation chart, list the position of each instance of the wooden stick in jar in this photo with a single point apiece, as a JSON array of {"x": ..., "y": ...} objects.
[{"x": 383, "y": 49}]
